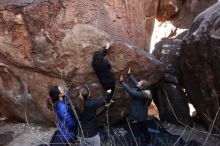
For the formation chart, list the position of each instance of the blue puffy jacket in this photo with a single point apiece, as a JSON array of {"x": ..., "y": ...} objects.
[{"x": 66, "y": 121}]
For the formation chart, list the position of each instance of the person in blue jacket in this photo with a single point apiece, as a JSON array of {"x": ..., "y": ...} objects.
[
  {"x": 66, "y": 122},
  {"x": 138, "y": 106}
]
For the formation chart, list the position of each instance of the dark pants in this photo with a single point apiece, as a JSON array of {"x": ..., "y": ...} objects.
[
  {"x": 142, "y": 128},
  {"x": 57, "y": 140}
]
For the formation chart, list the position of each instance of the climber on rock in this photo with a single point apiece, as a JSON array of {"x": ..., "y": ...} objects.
[
  {"x": 102, "y": 68},
  {"x": 86, "y": 108},
  {"x": 138, "y": 107},
  {"x": 65, "y": 119}
]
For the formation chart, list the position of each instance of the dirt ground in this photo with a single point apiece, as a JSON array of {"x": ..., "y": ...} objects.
[{"x": 23, "y": 134}]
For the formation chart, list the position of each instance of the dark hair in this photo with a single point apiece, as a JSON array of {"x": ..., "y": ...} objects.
[
  {"x": 145, "y": 84},
  {"x": 54, "y": 94}
]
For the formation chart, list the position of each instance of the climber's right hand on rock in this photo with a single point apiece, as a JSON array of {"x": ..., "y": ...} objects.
[
  {"x": 129, "y": 71},
  {"x": 107, "y": 46},
  {"x": 121, "y": 78}
]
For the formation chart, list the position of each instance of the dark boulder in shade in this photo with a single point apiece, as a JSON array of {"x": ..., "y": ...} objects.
[{"x": 200, "y": 62}]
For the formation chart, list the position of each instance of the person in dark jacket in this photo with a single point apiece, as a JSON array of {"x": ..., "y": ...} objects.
[
  {"x": 102, "y": 68},
  {"x": 138, "y": 106},
  {"x": 66, "y": 122},
  {"x": 86, "y": 107}
]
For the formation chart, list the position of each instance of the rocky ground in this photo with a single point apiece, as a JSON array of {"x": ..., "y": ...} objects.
[
  {"x": 25, "y": 134},
  {"x": 197, "y": 133},
  {"x": 22, "y": 134}
]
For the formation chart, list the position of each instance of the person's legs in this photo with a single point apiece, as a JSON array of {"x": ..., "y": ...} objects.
[
  {"x": 134, "y": 127},
  {"x": 143, "y": 126},
  {"x": 90, "y": 141},
  {"x": 57, "y": 141},
  {"x": 138, "y": 132},
  {"x": 95, "y": 141}
]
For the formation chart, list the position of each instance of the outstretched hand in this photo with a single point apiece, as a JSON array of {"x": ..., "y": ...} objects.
[
  {"x": 129, "y": 71},
  {"x": 121, "y": 78},
  {"x": 107, "y": 46}
]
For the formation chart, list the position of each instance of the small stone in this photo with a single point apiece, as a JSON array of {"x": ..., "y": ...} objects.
[{"x": 33, "y": 128}]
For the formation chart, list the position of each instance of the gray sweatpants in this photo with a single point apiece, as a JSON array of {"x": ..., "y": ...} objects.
[{"x": 90, "y": 141}]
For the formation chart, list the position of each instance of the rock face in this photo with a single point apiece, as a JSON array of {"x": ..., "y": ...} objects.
[
  {"x": 171, "y": 102},
  {"x": 25, "y": 134},
  {"x": 23, "y": 93},
  {"x": 181, "y": 12},
  {"x": 45, "y": 43},
  {"x": 168, "y": 95},
  {"x": 128, "y": 21},
  {"x": 200, "y": 62},
  {"x": 6, "y": 137},
  {"x": 168, "y": 8},
  {"x": 168, "y": 52}
]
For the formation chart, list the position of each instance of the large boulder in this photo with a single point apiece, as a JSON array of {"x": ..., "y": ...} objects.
[
  {"x": 168, "y": 52},
  {"x": 24, "y": 90},
  {"x": 181, "y": 12},
  {"x": 168, "y": 8},
  {"x": 128, "y": 21},
  {"x": 6, "y": 137},
  {"x": 23, "y": 93},
  {"x": 200, "y": 62},
  {"x": 168, "y": 94},
  {"x": 171, "y": 101},
  {"x": 45, "y": 43},
  {"x": 188, "y": 11}
]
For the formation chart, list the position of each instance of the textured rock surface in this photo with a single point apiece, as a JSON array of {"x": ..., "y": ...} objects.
[
  {"x": 168, "y": 52},
  {"x": 168, "y": 94},
  {"x": 200, "y": 62},
  {"x": 6, "y": 137},
  {"x": 23, "y": 93},
  {"x": 181, "y": 12},
  {"x": 172, "y": 103},
  {"x": 128, "y": 21},
  {"x": 20, "y": 134},
  {"x": 23, "y": 88},
  {"x": 189, "y": 10},
  {"x": 15, "y": 134},
  {"x": 168, "y": 8},
  {"x": 43, "y": 43}
]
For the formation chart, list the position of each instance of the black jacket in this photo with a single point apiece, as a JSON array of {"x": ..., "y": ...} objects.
[
  {"x": 138, "y": 106},
  {"x": 87, "y": 118},
  {"x": 102, "y": 69}
]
